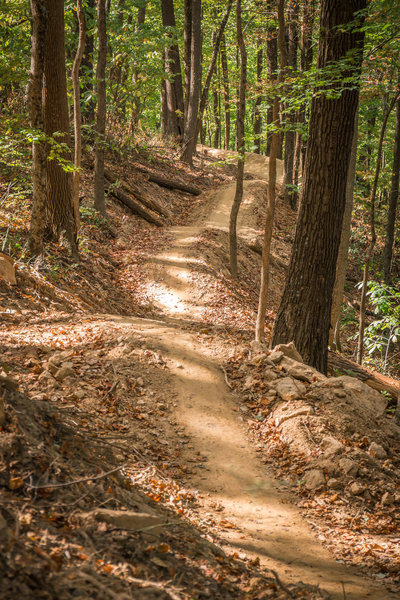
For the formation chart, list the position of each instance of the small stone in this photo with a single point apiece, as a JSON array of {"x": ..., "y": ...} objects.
[
  {"x": 377, "y": 451},
  {"x": 79, "y": 394},
  {"x": 387, "y": 499},
  {"x": 357, "y": 488},
  {"x": 276, "y": 356},
  {"x": 249, "y": 383},
  {"x": 140, "y": 381},
  {"x": 333, "y": 483},
  {"x": 331, "y": 446},
  {"x": 289, "y": 350},
  {"x": 287, "y": 389},
  {"x": 64, "y": 372},
  {"x": 349, "y": 466},
  {"x": 269, "y": 374},
  {"x": 314, "y": 479}
]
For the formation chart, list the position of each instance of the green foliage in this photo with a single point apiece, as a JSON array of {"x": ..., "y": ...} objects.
[{"x": 384, "y": 332}]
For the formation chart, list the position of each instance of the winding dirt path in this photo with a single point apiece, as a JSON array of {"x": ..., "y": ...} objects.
[{"x": 266, "y": 523}]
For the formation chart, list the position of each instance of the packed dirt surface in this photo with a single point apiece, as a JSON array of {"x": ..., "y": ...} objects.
[{"x": 138, "y": 455}]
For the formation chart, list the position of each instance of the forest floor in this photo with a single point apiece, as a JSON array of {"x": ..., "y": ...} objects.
[{"x": 141, "y": 454}]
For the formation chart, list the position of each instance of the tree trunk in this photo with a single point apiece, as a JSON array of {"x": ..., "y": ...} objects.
[
  {"x": 257, "y": 104},
  {"x": 59, "y": 208},
  {"x": 99, "y": 197},
  {"x": 77, "y": 110},
  {"x": 305, "y": 309},
  {"x": 173, "y": 85},
  {"x": 227, "y": 108},
  {"x": 187, "y": 34},
  {"x": 137, "y": 102},
  {"x": 372, "y": 242},
  {"x": 341, "y": 265},
  {"x": 269, "y": 219},
  {"x": 306, "y": 58},
  {"x": 37, "y": 226},
  {"x": 211, "y": 68},
  {"x": 393, "y": 199},
  {"x": 190, "y": 133},
  {"x": 89, "y": 106},
  {"x": 272, "y": 67},
  {"x": 290, "y": 135},
  {"x": 240, "y": 129}
]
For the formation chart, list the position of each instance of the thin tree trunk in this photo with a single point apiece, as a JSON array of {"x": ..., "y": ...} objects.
[
  {"x": 190, "y": 133},
  {"x": 227, "y": 108},
  {"x": 372, "y": 242},
  {"x": 269, "y": 224},
  {"x": 272, "y": 67},
  {"x": 213, "y": 62},
  {"x": 393, "y": 200},
  {"x": 187, "y": 34},
  {"x": 240, "y": 129},
  {"x": 99, "y": 196},
  {"x": 306, "y": 58},
  {"x": 269, "y": 219},
  {"x": 137, "y": 102},
  {"x": 77, "y": 111},
  {"x": 341, "y": 264},
  {"x": 89, "y": 106},
  {"x": 290, "y": 135},
  {"x": 37, "y": 226},
  {"x": 257, "y": 104}
]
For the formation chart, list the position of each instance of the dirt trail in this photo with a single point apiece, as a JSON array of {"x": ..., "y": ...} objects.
[{"x": 266, "y": 523}]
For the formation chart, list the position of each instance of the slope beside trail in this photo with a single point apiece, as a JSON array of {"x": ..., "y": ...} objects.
[{"x": 235, "y": 484}]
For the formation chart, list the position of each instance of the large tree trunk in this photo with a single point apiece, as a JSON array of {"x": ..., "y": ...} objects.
[
  {"x": 99, "y": 197},
  {"x": 305, "y": 309},
  {"x": 173, "y": 85},
  {"x": 77, "y": 110},
  {"x": 59, "y": 209},
  {"x": 341, "y": 265},
  {"x": 227, "y": 108},
  {"x": 393, "y": 199},
  {"x": 190, "y": 133},
  {"x": 37, "y": 227},
  {"x": 240, "y": 130}
]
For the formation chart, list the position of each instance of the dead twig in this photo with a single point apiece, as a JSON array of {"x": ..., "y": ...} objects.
[
  {"x": 110, "y": 391},
  {"x": 281, "y": 584},
  {"x": 230, "y": 386},
  {"x": 174, "y": 595},
  {"x": 344, "y": 592},
  {"x": 83, "y": 480}
]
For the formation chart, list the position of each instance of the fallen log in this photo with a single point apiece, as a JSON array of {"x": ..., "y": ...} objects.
[
  {"x": 134, "y": 206},
  {"x": 171, "y": 184},
  {"x": 377, "y": 381},
  {"x": 138, "y": 194}
]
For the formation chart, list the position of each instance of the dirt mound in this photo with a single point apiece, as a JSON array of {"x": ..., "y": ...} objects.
[{"x": 331, "y": 439}]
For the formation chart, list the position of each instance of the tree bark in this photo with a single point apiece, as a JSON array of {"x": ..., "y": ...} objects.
[
  {"x": 372, "y": 241},
  {"x": 213, "y": 62},
  {"x": 89, "y": 106},
  {"x": 37, "y": 226},
  {"x": 240, "y": 130},
  {"x": 290, "y": 135},
  {"x": 393, "y": 199},
  {"x": 99, "y": 197},
  {"x": 190, "y": 132},
  {"x": 269, "y": 219},
  {"x": 341, "y": 264},
  {"x": 227, "y": 108},
  {"x": 305, "y": 309},
  {"x": 272, "y": 67},
  {"x": 187, "y": 35},
  {"x": 173, "y": 85},
  {"x": 77, "y": 111},
  {"x": 306, "y": 58},
  {"x": 257, "y": 104},
  {"x": 59, "y": 208}
]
